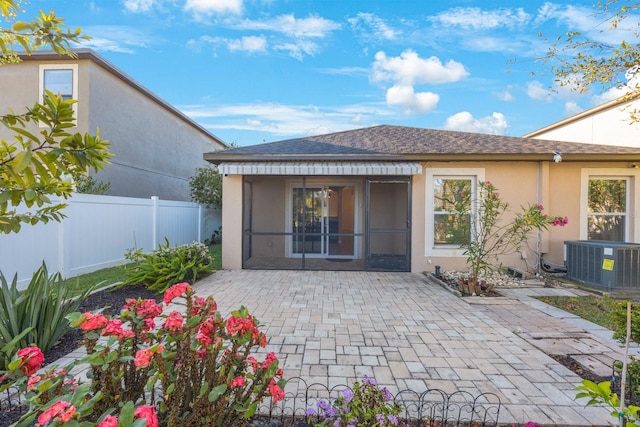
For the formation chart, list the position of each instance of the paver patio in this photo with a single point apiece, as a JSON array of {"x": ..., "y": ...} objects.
[{"x": 335, "y": 327}]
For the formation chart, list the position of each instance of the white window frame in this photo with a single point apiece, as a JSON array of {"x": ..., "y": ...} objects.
[
  {"x": 476, "y": 175},
  {"x": 72, "y": 67},
  {"x": 632, "y": 222},
  {"x": 319, "y": 182}
]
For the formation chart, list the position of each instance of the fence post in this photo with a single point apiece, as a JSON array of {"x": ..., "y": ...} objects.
[
  {"x": 200, "y": 223},
  {"x": 154, "y": 222}
]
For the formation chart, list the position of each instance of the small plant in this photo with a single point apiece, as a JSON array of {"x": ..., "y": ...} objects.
[
  {"x": 39, "y": 310},
  {"x": 364, "y": 405},
  {"x": 601, "y": 393},
  {"x": 168, "y": 265},
  {"x": 188, "y": 367},
  {"x": 490, "y": 234}
]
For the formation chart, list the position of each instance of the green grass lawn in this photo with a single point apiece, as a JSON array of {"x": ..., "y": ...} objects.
[
  {"x": 595, "y": 309},
  {"x": 109, "y": 276}
]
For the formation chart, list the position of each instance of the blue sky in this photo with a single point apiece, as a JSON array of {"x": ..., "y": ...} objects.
[{"x": 265, "y": 70}]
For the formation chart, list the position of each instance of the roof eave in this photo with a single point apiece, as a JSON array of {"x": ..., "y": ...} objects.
[{"x": 221, "y": 157}]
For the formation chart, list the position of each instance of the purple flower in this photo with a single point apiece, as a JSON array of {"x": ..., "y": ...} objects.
[
  {"x": 379, "y": 418},
  {"x": 348, "y": 395},
  {"x": 309, "y": 412},
  {"x": 324, "y": 405},
  {"x": 387, "y": 394},
  {"x": 369, "y": 380},
  {"x": 337, "y": 422},
  {"x": 392, "y": 419}
]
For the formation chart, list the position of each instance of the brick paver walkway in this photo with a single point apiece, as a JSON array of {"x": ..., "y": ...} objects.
[{"x": 336, "y": 327}]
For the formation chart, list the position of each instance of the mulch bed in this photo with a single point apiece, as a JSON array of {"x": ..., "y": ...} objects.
[{"x": 113, "y": 299}]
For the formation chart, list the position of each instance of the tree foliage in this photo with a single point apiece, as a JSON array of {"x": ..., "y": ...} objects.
[
  {"x": 206, "y": 187},
  {"x": 46, "y": 30},
  {"x": 38, "y": 164},
  {"x": 581, "y": 61}
]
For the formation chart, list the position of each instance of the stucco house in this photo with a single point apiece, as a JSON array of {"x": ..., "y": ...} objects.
[
  {"x": 156, "y": 147},
  {"x": 609, "y": 124},
  {"x": 375, "y": 198}
]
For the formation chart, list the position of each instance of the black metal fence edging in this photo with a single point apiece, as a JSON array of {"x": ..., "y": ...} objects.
[{"x": 432, "y": 407}]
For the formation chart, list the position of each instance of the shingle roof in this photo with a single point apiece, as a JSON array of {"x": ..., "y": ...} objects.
[{"x": 399, "y": 142}]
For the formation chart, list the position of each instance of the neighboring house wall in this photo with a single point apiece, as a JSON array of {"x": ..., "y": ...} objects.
[
  {"x": 156, "y": 148},
  {"x": 608, "y": 124}
]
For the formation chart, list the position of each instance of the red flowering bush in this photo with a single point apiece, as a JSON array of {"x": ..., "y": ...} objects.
[{"x": 187, "y": 367}]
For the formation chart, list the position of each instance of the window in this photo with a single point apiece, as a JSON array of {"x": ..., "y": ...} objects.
[
  {"x": 60, "y": 79},
  {"x": 450, "y": 197},
  {"x": 446, "y": 229},
  {"x": 607, "y": 209}
]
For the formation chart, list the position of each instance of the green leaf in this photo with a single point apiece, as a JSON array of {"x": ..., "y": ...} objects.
[{"x": 216, "y": 392}]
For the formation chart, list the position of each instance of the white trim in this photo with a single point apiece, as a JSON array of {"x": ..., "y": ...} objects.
[
  {"x": 73, "y": 67},
  {"x": 476, "y": 174},
  {"x": 632, "y": 230},
  {"x": 321, "y": 168}
]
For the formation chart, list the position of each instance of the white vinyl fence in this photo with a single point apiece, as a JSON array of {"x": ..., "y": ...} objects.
[{"x": 98, "y": 230}]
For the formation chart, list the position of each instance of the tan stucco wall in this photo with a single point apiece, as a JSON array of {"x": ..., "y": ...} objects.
[
  {"x": 155, "y": 152},
  {"x": 232, "y": 222},
  {"x": 557, "y": 186}
]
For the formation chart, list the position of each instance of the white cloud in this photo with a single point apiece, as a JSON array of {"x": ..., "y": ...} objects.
[
  {"x": 464, "y": 121},
  {"x": 206, "y": 8},
  {"x": 537, "y": 91},
  {"x": 287, "y": 120},
  {"x": 118, "y": 38},
  {"x": 409, "y": 69},
  {"x": 311, "y": 27},
  {"x": 298, "y": 49},
  {"x": 137, "y": 6},
  {"x": 405, "y": 96},
  {"x": 376, "y": 26},
  {"x": 591, "y": 22},
  {"x": 250, "y": 44},
  {"x": 478, "y": 19},
  {"x": 505, "y": 96},
  {"x": 572, "y": 108}
]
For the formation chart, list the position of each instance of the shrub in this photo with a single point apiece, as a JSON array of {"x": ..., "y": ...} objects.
[
  {"x": 490, "y": 235},
  {"x": 188, "y": 367},
  {"x": 36, "y": 314},
  {"x": 168, "y": 265},
  {"x": 362, "y": 406}
]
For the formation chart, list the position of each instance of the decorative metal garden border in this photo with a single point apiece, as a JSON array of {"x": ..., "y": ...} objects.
[{"x": 432, "y": 407}]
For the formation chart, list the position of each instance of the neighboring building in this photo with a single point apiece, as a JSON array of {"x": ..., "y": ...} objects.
[
  {"x": 372, "y": 199},
  {"x": 608, "y": 124},
  {"x": 156, "y": 147}
]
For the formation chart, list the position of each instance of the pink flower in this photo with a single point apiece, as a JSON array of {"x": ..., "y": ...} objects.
[
  {"x": 143, "y": 358},
  {"x": 147, "y": 412},
  {"x": 276, "y": 392},
  {"x": 32, "y": 359},
  {"x": 61, "y": 409},
  {"x": 271, "y": 357},
  {"x": 143, "y": 308},
  {"x": 174, "y": 321},
  {"x": 93, "y": 321},
  {"x": 540, "y": 207},
  {"x": 109, "y": 421},
  {"x": 114, "y": 328},
  {"x": 238, "y": 382},
  {"x": 32, "y": 381},
  {"x": 176, "y": 291}
]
